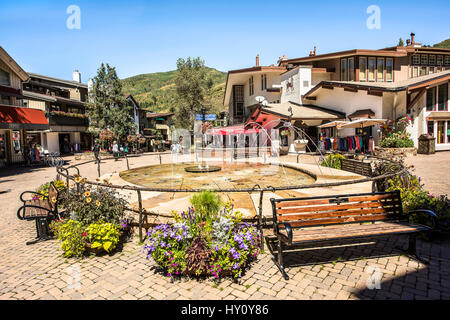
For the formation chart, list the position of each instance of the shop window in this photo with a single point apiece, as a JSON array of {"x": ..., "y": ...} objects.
[
  {"x": 439, "y": 60},
  {"x": 415, "y": 72},
  {"x": 447, "y": 61},
  {"x": 440, "y": 132},
  {"x": 442, "y": 97},
  {"x": 362, "y": 69},
  {"x": 416, "y": 59},
  {"x": 430, "y": 128}
]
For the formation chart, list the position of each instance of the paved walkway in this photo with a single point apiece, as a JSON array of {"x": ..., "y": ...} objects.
[{"x": 346, "y": 272}]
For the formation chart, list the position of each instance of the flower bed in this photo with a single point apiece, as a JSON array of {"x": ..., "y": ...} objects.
[
  {"x": 94, "y": 221},
  {"x": 204, "y": 240}
]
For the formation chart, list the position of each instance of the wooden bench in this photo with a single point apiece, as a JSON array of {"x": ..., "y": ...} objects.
[
  {"x": 356, "y": 166},
  {"x": 333, "y": 218},
  {"x": 42, "y": 209}
]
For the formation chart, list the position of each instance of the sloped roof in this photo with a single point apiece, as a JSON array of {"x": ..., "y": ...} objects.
[{"x": 302, "y": 112}]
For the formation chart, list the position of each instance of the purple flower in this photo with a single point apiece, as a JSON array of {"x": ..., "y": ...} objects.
[
  {"x": 179, "y": 238},
  {"x": 236, "y": 255},
  {"x": 236, "y": 266}
]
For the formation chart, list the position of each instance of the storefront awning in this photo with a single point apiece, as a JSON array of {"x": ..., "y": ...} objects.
[
  {"x": 439, "y": 115},
  {"x": 16, "y": 118},
  {"x": 231, "y": 130}
]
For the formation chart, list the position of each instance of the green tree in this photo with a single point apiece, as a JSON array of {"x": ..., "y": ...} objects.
[
  {"x": 400, "y": 43},
  {"x": 192, "y": 84},
  {"x": 107, "y": 107}
]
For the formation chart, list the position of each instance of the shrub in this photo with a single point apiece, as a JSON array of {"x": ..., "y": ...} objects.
[
  {"x": 215, "y": 242},
  {"x": 90, "y": 205},
  {"x": 103, "y": 235},
  {"x": 207, "y": 205},
  {"x": 397, "y": 140},
  {"x": 332, "y": 161},
  {"x": 71, "y": 235}
]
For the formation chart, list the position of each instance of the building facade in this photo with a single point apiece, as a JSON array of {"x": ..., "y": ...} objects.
[
  {"x": 17, "y": 119},
  {"x": 64, "y": 103}
]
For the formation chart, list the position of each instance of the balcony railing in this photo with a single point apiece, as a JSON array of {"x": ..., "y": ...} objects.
[{"x": 64, "y": 120}]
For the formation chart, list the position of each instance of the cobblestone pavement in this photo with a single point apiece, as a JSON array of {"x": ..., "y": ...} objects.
[
  {"x": 345, "y": 272},
  {"x": 433, "y": 170}
]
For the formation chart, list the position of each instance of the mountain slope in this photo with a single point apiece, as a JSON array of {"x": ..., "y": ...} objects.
[
  {"x": 443, "y": 44},
  {"x": 156, "y": 91}
]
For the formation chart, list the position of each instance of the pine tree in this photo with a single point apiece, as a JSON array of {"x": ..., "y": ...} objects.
[
  {"x": 108, "y": 108},
  {"x": 400, "y": 43},
  {"x": 191, "y": 85}
]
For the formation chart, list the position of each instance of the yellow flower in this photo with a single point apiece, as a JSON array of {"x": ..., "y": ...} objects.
[
  {"x": 88, "y": 200},
  {"x": 87, "y": 194},
  {"x": 97, "y": 203},
  {"x": 54, "y": 199},
  {"x": 72, "y": 185},
  {"x": 77, "y": 179},
  {"x": 83, "y": 181}
]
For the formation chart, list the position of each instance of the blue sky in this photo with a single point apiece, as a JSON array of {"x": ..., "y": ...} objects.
[{"x": 148, "y": 36}]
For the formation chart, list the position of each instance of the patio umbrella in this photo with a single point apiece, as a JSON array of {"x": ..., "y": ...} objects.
[
  {"x": 332, "y": 124},
  {"x": 362, "y": 123}
]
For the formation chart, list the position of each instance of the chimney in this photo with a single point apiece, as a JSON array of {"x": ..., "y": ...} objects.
[
  {"x": 412, "y": 38},
  {"x": 314, "y": 50},
  {"x": 257, "y": 60},
  {"x": 408, "y": 42},
  {"x": 281, "y": 59},
  {"x": 76, "y": 76}
]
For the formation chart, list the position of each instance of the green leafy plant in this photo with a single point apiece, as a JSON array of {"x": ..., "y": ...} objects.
[
  {"x": 207, "y": 205},
  {"x": 397, "y": 140},
  {"x": 43, "y": 189},
  {"x": 72, "y": 236},
  {"x": 333, "y": 161},
  {"x": 103, "y": 235},
  {"x": 90, "y": 205}
]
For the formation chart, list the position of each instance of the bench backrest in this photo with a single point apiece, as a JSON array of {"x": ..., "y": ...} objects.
[
  {"x": 53, "y": 196},
  {"x": 342, "y": 209},
  {"x": 358, "y": 167}
]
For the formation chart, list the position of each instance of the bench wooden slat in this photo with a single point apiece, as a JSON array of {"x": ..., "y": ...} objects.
[
  {"x": 335, "y": 207},
  {"x": 345, "y": 231},
  {"x": 299, "y": 203},
  {"x": 286, "y": 218},
  {"x": 350, "y": 219}
]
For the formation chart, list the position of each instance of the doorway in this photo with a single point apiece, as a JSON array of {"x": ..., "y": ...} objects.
[{"x": 64, "y": 143}]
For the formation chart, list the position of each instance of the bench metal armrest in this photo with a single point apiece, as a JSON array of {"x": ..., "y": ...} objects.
[
  {"x": 32, "y": 192},
  {"x": 21, "y": 211},
  {"x": 288, "y": 227},
  {"x": 429, "y": 213}
]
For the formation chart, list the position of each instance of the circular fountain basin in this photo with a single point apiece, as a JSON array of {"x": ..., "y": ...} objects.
[
  {"x": 236, "y": 175},
  {"x": 196, "y": 169}
]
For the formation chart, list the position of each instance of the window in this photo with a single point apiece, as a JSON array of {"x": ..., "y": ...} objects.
[
  {"x": 423, "y": 71},
  {"x": 442, "y": 97},
  {"x": 432, "y": 60},
  {"x": 344, "y": 75},
  {"x": 440, "y": 132},
  {"x": 448, "y": 131},
  {"x": 439, "y": 60},
  {"x": 447, "y": 61},
  {"x": 431, "y": 99},
  {"x": 380, "y": 69},
  {"x": 389, "y": 69},
  {"x": 371, "y": 69},
  {"x": 351, "y": 69},
  {"x": 4, "y": 78},
  {"x": 415, "y": 72},
  {"x": 416, "y": 59},
  {"x": 263, "y": 82},
  {"x": 430, "y": 128},
  {"x": 424, "y": 59},
  {"x": 250, "y": 86},
  {"x": 362, "y": 69}
]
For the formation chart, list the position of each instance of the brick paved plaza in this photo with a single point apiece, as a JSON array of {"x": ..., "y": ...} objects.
[{"x": 40, "y": 272}]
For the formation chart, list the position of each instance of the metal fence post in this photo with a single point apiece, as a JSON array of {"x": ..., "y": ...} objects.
[
  {"x": 260, "y": 219},
  {"x": 128, "y": 165},
  {"x": 98, "y": 168},
  {"x": 140, "y": 214}
]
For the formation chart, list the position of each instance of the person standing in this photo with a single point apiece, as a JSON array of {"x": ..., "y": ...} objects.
[
  {"x": 96, "y": 150},
  {"x": 115, "y": 150}
]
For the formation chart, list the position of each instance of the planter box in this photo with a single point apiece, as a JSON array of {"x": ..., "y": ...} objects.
[{"x": 392, "y": 152}]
